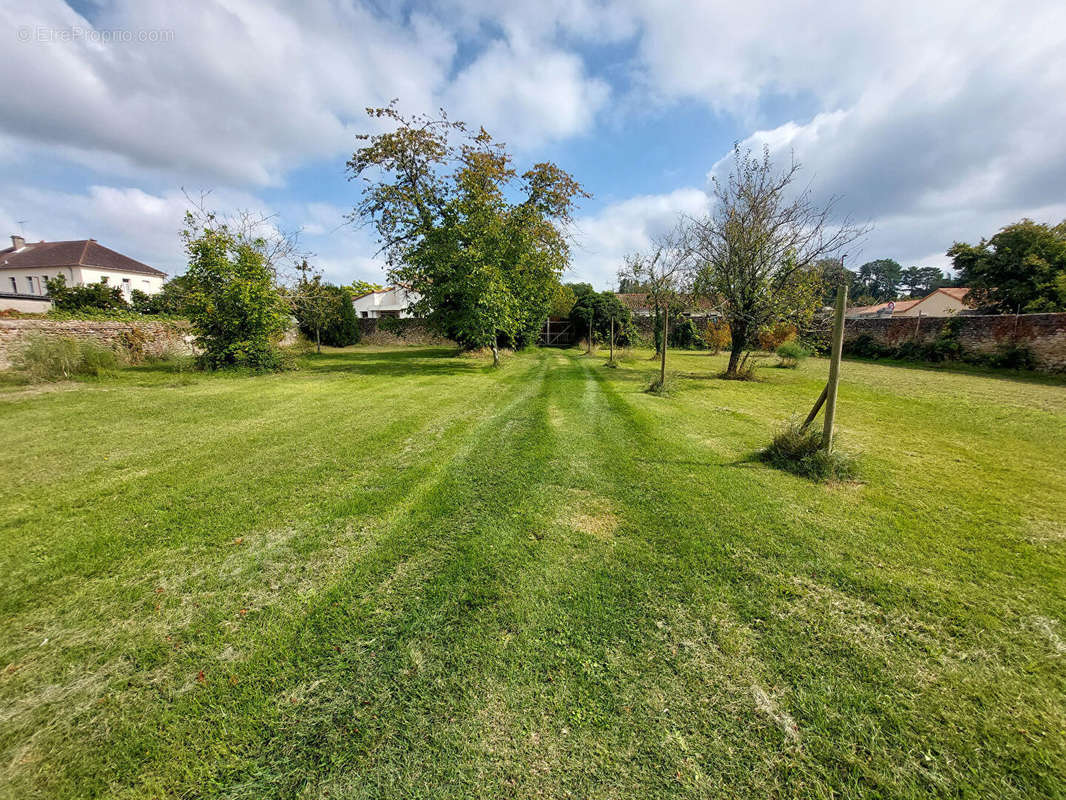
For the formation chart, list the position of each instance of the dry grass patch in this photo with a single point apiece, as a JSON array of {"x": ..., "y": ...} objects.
[{"x": 590, "y": 513}]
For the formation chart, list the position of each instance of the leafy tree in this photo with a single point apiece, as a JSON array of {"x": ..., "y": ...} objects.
[
  {"x": 880, "y": 279},
  {"x": 1020, "y": 269},
  {"x": 627, "y": 284},
  {"x": 754, "y": 253},
  {"x": 563, "y": 299},
  {"x": 921, "y": 281},
  {"x": 233, "y": 303},
  {"x": 360, "y": 288},
  {"x": 832, "y": 274},
  {"x": 482, "y": 246},
  {"x": 98, "y": 295},
  {"x": 601, "y": 316}
]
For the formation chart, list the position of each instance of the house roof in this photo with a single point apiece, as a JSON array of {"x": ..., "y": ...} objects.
[
  {"x": 901, "y": 305},
  {"x": 78, "y": 253},
  {"x": 957, "y": 292}
]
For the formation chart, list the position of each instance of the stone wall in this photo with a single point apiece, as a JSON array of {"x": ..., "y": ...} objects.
[
  {"x": 155, "y": 338},
  {"x": 391, "y": 330},
  {"x": 1043, "y": 334}
]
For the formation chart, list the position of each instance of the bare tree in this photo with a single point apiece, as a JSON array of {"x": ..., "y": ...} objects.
[
  {"x": 754, "y": 254},
  {"x": 663, "y": 270}
]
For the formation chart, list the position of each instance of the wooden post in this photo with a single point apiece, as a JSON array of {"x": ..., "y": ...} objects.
[
  {"x": 834, "y": 367},
  {"x": 612, "y": 339},
  {"x": 592, "y": 314}
]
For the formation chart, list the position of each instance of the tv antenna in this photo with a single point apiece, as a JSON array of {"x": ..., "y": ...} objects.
[{"x": 22, "y": 227}]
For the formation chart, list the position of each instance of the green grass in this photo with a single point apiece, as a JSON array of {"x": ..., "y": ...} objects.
[{"x": 396, "y": 573}]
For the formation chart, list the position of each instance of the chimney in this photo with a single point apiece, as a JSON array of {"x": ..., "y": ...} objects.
[{"x": 17, "y": 242}]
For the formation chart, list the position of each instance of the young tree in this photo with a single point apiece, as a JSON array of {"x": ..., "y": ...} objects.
[
  {"x": 233, "y": 303},
  {"x": 485, "y": 265},
  {"x": 1020, "y": 269},
  {"x": 663, "y": 271},
  {"x": 100, "y": 295},
  {"x": 754, "y": 252}
]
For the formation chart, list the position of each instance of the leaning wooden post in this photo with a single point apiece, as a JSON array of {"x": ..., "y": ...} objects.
[{"x": 834, "y": 367}]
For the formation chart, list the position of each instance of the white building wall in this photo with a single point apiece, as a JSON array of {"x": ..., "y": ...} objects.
[
  {"x": 29, "y": 280},
  {"x": 391, "y": 302}
]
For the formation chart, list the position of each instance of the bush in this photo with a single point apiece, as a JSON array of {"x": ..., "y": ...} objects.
[
  {"x": 51, "y": 358},
  {"x": 99, "y": 295},
  {"x": 790, "y": 354},
  {"x": 717, "y": 335},
  {"x": 801, "y": 452},
  {"x": 772, "y": 337},
  {"x": 1012, "y": 356}
]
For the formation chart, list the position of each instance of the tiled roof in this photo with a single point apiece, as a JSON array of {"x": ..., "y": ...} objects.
[{"x": 80, "y": 253}]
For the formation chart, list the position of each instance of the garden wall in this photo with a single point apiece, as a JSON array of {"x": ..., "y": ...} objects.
[
  {"x": 392, "y": 330},
  {"x": 155, "y": 338},
  {"x": 1043, "y": 334}
]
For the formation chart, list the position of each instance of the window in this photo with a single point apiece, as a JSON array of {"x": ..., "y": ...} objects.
[
  {"x": 29, "y": 284},
  {"x": 363, "y": 312},
  {"x": 14, "y": 286}
]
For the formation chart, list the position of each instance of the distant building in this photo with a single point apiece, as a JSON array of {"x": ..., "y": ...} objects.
[
  {"x": 945, "y": 302},
  {"x": 26, "y": 267},
  {"x": 392, "y": 301},
  {"x": 640, "y": 304}
]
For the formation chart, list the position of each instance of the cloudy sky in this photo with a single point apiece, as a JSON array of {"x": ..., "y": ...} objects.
[{"x": 934, "y": 121}]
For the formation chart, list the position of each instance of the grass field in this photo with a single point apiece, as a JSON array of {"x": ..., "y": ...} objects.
[{"x": 396, "y": 573}]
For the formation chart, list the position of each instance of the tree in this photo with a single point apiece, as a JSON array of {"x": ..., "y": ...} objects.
[
  {"x": 360, "y": 288},
  {"x": 1022, "y": 268},
  {"x": 753, "y": 254},
  {"x": 831, "y": 274},
  {"x": 603, "y": 317},
  {"x": 880, "y": 279},
  {"x": 480, "y": 245},
  {"x": 920, "y": 281},
  {"x": 562, "y": 301},
  {"x": 233, "y": 304},
  {"x": 663, "y": 272}
]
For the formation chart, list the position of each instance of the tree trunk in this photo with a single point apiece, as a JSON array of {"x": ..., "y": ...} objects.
[
  {"x": 318, "y": 340},
  {"x": 591, "y": 316},
  {"x": 738, "y": 332},
  {"x": 658, "y": 328},
  {"x": 666, "y": 338},
  {"x": 495, "y": 353}
]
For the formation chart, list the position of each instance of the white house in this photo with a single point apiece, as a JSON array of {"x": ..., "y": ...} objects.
[
  {"x": 25, "y": 268},
  {"x": 392, "y": 301}
]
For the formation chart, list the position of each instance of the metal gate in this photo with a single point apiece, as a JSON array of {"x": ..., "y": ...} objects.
[{"x": 556, "y": 333}]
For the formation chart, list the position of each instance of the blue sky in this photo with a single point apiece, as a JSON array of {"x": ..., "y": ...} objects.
[{"x": 931, "y": 122}]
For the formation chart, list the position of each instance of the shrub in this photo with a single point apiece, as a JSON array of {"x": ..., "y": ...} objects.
[
  {"x": 790, "y": 354},
  {"x": 51, "y": 358},
  {"x": 801, "y": 452},
  {"x": 1013, "y": 356},
  {"x": 772, "y": 337},
  {"x": 717, "y": 335},
  {"x": 93, "y": 296}
]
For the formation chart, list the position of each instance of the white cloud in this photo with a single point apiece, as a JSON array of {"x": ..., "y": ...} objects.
[{"x": 606, "y": 237}]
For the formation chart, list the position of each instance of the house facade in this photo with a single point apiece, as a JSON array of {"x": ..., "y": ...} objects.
[
  {"x": 945, "y": 302},
  {"x": 392, "y": 301},
  {"x": 26, "y": 268}
]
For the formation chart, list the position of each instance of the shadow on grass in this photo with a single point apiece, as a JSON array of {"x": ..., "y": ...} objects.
[
  {"x": 957, "y": 368},
  {"x": 417, "y": 361}
]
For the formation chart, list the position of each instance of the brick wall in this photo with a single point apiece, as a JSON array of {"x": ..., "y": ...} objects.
[
  {"x": 159, "y": 337},
  {"x": 1043, "y": 334}
]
